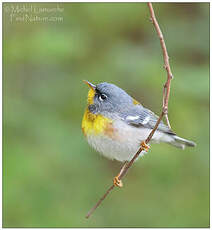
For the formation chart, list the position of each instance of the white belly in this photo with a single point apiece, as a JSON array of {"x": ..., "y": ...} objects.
[{"x": 127, "y": 143}]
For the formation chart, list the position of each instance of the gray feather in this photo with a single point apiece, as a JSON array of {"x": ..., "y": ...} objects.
[
  {"x": 181, "y": 142},
  {"x": 145, "y": 118}
]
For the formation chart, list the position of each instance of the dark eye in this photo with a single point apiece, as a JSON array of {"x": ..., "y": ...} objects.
[{"x": 102, "y": 97}]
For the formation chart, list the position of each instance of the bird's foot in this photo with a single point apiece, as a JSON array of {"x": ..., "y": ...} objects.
[
  {"x": 145, "y": 146},
  {"x": 117, "y": 182}
]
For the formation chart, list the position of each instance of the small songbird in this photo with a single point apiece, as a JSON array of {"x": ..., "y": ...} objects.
[{"x": 115, "y": 124}]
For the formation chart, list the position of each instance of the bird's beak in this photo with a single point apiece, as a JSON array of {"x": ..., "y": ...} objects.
[{"x": 90, "y": 85}]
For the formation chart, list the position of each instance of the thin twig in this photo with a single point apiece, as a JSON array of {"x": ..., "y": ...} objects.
[
  {"x": 166, "y": 88},
  {"x": 166, "y": 92},
  {"x": 100, "y": 201}
]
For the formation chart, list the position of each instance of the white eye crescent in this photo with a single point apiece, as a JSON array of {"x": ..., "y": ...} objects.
[{"x": 102, "y": 97}]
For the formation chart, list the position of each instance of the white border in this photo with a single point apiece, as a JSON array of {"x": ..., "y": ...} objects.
[{"x": 157, "y": 1}]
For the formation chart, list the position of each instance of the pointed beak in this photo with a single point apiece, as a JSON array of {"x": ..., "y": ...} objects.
[{"x": 90, "y": 85}]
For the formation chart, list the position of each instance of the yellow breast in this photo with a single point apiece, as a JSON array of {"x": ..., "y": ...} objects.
[{"x": 95, "y": 124}]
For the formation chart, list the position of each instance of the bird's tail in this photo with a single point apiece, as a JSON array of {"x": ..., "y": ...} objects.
[{"x": 180, "y": 142}]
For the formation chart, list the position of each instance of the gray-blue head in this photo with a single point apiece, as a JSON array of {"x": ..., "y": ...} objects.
[{"x": 107, "y": 98}]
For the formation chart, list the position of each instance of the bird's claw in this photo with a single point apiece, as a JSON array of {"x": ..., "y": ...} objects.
[
  {"x": 117, "y": 182},
  {"x": 145, "y": 146}
]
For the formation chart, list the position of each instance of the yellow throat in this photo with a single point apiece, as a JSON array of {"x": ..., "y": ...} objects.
[{"x": 93, "y": 123}]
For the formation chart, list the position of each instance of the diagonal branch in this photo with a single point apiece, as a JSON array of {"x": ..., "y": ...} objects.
[
  {"x": 166, "y": 88},
  {"x": 166, "y": 92}
]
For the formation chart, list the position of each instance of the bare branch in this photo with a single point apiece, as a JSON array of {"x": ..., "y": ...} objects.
[
  {"x": 166, "y": 88},
  {"x": 100, "y": 201},
  {"x": 166, "y": 92}
]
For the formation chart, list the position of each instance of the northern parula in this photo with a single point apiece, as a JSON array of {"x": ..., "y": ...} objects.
[{"x": 115, "y": 124}]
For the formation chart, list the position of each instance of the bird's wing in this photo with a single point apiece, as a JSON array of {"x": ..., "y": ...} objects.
[{"x": 139, "y": 116}]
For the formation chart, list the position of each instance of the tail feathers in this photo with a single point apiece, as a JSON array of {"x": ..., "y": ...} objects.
[{"x": 182, "y": 143}]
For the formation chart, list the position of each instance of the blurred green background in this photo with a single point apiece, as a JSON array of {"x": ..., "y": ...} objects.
[{"x": 51, "y": 177}]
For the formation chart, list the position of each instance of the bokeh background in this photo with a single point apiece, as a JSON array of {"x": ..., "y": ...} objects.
[{"x": 51, "y": 177}]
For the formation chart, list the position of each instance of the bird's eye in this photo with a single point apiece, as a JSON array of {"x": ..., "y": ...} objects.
[{"x": 102, "y": 97}]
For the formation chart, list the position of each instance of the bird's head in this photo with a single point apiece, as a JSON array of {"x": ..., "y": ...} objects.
[{"x": 106, "y": 97}]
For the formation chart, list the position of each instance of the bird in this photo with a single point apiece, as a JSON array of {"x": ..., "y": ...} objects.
[{"x": 116, "y": 125}]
